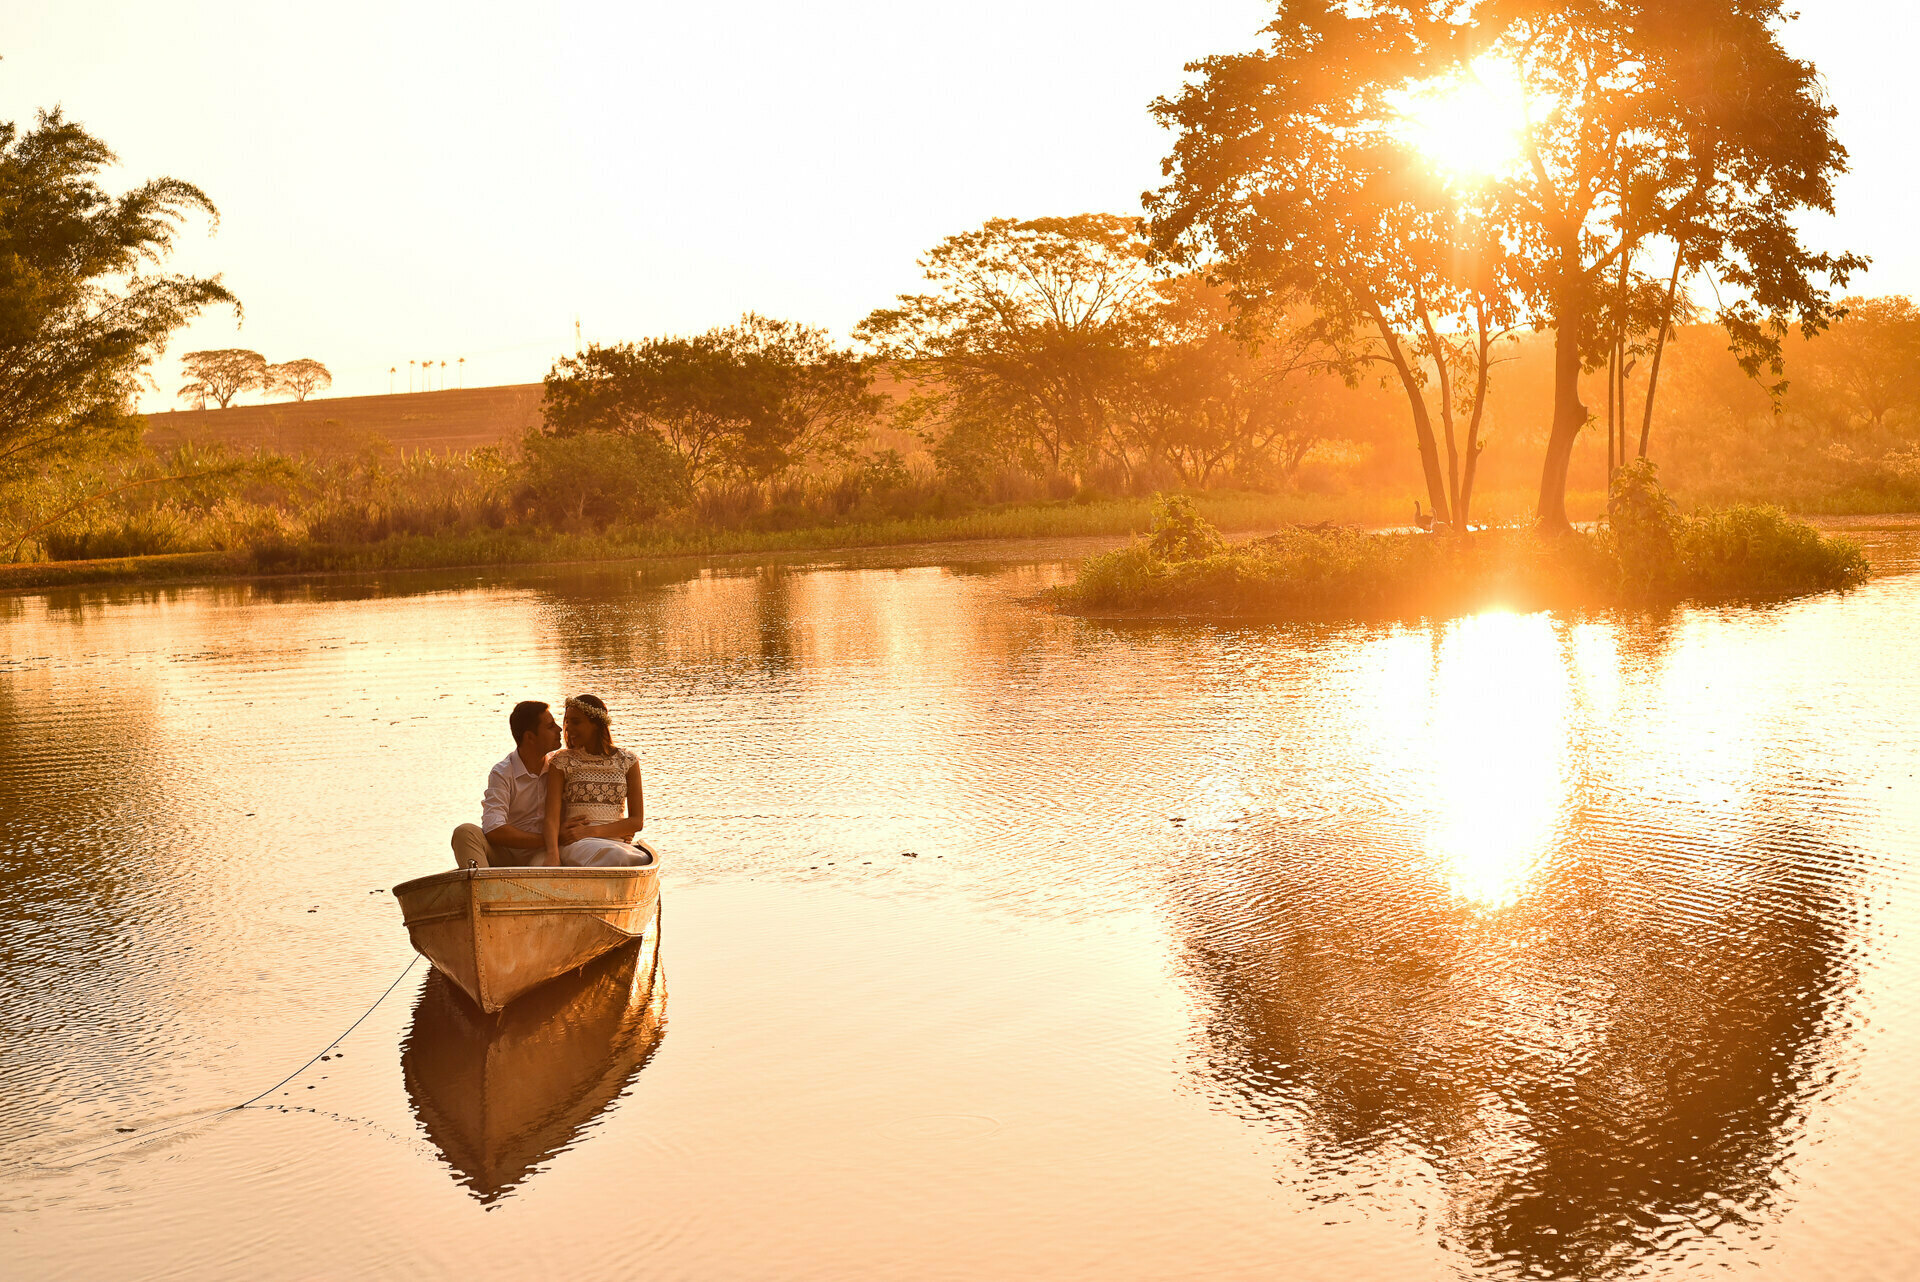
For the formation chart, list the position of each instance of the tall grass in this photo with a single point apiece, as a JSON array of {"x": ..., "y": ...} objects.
[{"x": 383, "y": 508}]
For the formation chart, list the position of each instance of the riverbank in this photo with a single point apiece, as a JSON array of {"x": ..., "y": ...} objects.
[{"x": 522, "y": 545}]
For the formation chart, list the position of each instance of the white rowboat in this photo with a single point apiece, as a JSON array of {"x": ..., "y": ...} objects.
[{"x": 499, "y": 932}]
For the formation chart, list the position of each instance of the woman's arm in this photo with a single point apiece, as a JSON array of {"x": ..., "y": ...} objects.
[
  {"x": 624, "y": 829},
  {"x": 636, "y": 800},
  {"x": 550, "y": 827}
]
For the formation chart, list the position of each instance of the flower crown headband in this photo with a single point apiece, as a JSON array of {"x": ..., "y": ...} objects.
[{"x": 588, "y": 711}]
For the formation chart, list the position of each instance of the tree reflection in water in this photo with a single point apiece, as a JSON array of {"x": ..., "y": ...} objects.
[
  {"x": 1592, "y": 1020},
  {"x": 501, "y": 1096}
]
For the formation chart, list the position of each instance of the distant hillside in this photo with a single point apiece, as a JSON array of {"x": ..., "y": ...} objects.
[{"x": 460, "y": 420}]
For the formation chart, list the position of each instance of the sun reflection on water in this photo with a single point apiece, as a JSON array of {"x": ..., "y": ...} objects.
[{"x": 1498, "y": 735}]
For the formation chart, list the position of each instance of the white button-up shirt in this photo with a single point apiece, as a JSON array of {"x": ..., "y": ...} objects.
[{"x": 515, "y": 795}]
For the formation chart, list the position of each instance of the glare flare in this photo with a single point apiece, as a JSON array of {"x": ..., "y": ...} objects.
[
  {"x": 1469, "y": 125},
  {"x": 1500, "y": 721}
]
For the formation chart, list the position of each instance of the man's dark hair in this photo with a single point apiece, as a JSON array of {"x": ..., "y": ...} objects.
[{"x": 524, "y": 718}]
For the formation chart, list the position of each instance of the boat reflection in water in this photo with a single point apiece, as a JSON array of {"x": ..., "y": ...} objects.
[{"x": 501, "y": 1095}]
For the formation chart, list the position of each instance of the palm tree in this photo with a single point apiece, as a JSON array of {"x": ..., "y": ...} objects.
[
  {"x": 391, "y": 371},
  {"x": 410, "y": 365},
  {"x": 462, "y": 372}
]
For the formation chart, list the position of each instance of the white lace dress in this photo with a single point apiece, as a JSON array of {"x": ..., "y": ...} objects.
[{"x": 595, "y": 789}]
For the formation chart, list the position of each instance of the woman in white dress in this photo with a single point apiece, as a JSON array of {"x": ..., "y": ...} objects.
[{"x": 593, "y": 794}]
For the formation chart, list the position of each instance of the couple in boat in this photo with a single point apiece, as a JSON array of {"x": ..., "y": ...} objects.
[{"x": 551, "y": 807}]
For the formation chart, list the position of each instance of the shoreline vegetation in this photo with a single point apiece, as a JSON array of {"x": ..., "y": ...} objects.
[
  {"x": 525, "y": 545},
  {"x": 1644, "y": 554}
]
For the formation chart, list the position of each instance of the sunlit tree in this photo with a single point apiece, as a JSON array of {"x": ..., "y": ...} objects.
[
  {"x": 1865, "y": 371},
  {"x": 744, "y": 403},
  {"x": 302, "y": 377},
  {"x": 1220, "y": 393},
  {"x": 1293, "y": 178},
  {"x": 81, "y": 312},
  {"x": 222, "y": 374},
  {"x": 1025, "y": 333},
  {"x": 1639, "y": 127}
]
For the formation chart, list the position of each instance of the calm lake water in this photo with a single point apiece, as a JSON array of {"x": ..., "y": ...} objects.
[{"x": 994, "y": 944}]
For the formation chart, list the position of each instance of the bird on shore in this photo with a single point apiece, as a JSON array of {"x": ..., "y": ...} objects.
[{"x": 1421, "y": 519}]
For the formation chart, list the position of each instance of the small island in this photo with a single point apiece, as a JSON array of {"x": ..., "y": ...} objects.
[{"x": 1644, "y": 554}]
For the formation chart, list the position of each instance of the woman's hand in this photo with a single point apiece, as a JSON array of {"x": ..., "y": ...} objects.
[{"x": 615, "y": 830}]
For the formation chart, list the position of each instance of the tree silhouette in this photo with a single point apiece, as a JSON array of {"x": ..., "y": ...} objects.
[
  {"x": 1683, "y": 122},
  {"x": 1290, "y": 171},
  {"x": 301, "y": 377},
  {"x": 223, "y": 373},
  {"x": 1648, "y": 122}
]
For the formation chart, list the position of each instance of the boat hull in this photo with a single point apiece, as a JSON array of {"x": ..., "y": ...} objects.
[{"x": 500, "y": 932}]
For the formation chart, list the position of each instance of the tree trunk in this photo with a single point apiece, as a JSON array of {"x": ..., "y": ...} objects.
[
  {"x": 1613, "y": 367},
  {"x": 1617, "y": 374},
  {"x": 1659, "y": 347},
  {"x": 1482, "y": 374},
  {"x": 1446, "y": 409},
  {"x": 1422, "y": 422},
  {"x": 1569, "y": 414}
]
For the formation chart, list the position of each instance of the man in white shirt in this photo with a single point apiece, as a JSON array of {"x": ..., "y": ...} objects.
[{"x": 513, "y": 812}]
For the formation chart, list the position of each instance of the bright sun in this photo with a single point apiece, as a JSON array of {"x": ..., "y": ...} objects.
[{"x": 1469, "y": 125}]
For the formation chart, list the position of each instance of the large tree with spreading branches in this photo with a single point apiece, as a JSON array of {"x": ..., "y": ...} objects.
[
  {"x": 1679, "y": 129},
  {"x": 302, "y": 377},
  {"x": 222, "y": 374},
  {"x": 744, "y": 403},
  {"x": 1024, "y": 337}
]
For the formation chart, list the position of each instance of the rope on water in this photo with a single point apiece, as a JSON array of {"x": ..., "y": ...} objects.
[
  {"x": 89, "y": 1154},
  {"x": 404, "y": 972}
]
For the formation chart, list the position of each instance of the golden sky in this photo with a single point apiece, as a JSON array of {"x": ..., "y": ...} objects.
[{"x": 409, "y": 181}]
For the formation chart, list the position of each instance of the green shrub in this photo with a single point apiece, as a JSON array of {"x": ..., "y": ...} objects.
[
  {"x": 1734, "y": 552},
  {"x": 1180, "y": 533},
  {"x": 597, "y": 479},
  {"x": 1643, "y": 529},
  {"x": 1761, "y": 551}
]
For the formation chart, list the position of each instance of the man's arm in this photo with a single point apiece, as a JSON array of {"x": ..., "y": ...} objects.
[
  {"x": 508, "y": 835},
  {"x": 493, "y": 814}
]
